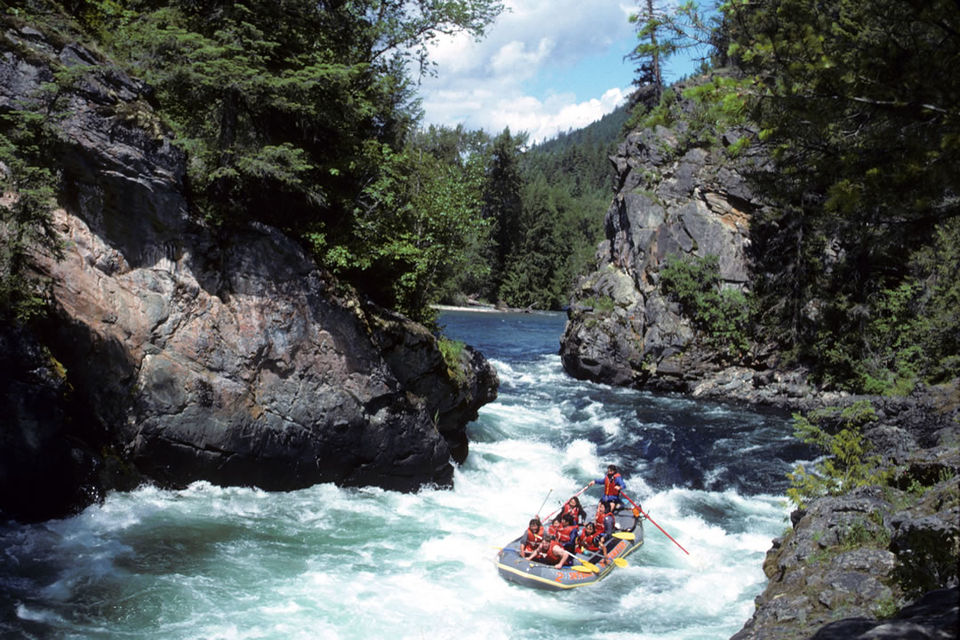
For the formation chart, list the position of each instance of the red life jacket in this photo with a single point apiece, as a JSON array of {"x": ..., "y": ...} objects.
[
  {"x": 610, "y": 487},
  {"x": 591, "y": 543},
  {"x": 554, "y": 553},
  {"x": 553, "y": 529},
  {"x": 598, "y": 521},
  {"x": 575, "y": 513},
  {"x": 563, "y": 537}
]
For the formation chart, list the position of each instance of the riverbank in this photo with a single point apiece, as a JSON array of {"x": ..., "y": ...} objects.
[
  {"x": 880, "y": 560},
  {"x": 487, "y": 308}
]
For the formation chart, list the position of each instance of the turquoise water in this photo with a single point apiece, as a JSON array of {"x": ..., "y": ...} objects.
[{"x": 325, "y": 562}]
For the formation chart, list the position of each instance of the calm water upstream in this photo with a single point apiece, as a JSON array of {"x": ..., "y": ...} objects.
[{"x": 325, "y": 562}]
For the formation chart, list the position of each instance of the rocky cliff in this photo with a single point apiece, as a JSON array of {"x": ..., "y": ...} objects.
[
  {"x": 676, "y": 197},
  {"x": 879, "y": 561},
  {"x": 178, "y": 352},
  {"x": 670, "y": 201}
]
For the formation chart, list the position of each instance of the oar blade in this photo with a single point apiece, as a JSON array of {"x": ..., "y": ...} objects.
[
  {"x": 624, "y": 535},
  {"x": 620, "y": 562},
  {"x": 586, "y": 567}
]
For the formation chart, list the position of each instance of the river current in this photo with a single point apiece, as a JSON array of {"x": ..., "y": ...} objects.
[{"x": 326, "y": 562}]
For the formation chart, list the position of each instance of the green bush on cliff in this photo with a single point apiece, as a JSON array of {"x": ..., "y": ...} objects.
[
  {"x": 847, "y": 465},
  {"x": 721, "y": 315},
  {"x": 452, "y": 352}
]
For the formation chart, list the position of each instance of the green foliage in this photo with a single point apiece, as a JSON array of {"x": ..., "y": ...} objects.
[
  {"x": 544, "y": 261},
  {"x": 856, "y": 101},
  {"x": 29, "y": 182},
  {"x": 502, "y": 204},
  {"x": 839, "y": 434},
  {"x": 566, "y": 184},
  {"x": 452, "y": 352},
  {"x": 721, "y": 315},
  {"x": 865, "y": 533},
  {"x": 429, "y": 237},
  {"x": 603, "y": 304},
  {"x": 303, "y": 115},
  {"x": 666, "y": 29}
]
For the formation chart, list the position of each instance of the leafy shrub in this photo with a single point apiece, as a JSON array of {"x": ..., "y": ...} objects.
[
  {"x": 721, "y": 315},
  {"x": 847, "y": 464},
  {"x": 452, "y": 352}
]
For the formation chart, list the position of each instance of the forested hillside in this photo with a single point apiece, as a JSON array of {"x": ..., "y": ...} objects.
[
  {"x": 566, "y": 185},
  {"x": 301, "y": 115},
  {"x": 304, "y": 115},
  {"x": 856, "y": 272}
]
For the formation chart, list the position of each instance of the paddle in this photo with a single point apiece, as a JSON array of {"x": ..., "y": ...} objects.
[
  {"x": 585, "y": 564},
  {"x": 544, "y": 502},
  {"x": 647, "y": 516},
  {"x": 620, "y": 562}
]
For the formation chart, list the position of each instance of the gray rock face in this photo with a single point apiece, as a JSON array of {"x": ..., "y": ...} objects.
[
  {"x": 228, "y": 357},
  {"x": 878, "y": 562},
  {"x": 671, "y": 201}
]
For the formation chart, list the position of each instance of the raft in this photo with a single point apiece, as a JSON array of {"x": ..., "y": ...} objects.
[{"x": 513, "y": 568}]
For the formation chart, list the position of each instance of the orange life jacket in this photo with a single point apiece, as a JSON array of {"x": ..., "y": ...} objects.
[
  {"x": 598, "y": 521},
  {"x": 576, "y": 513},
  {"x": 533, "y": 538},
  {"x": 554, "y": 529},
  {"x": 610, "y": 487},
  {"x": 591, "y": 542}
]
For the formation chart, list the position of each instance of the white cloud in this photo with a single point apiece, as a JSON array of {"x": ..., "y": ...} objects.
[
  {"x": 514, "y": 59},
  {"x": 529, "y": 73}
]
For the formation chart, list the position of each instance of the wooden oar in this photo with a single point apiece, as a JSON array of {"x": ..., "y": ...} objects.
[{"x": 647, "y": 516}]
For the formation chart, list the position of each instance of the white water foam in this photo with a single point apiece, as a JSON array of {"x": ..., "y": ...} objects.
[{"x": 328, "y": 562}]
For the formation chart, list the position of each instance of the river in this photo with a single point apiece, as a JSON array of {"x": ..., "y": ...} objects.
[{"x": 326, "y": 562}]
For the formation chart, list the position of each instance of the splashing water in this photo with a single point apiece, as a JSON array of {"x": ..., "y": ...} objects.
[{"x": 326, "y": 562}]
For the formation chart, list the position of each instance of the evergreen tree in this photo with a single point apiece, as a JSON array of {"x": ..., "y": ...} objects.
[
  {"x": 664, "y": 30},
  {"x": 502, "y": 205},
  {"x": 297, "y": 114},
  {"x": 857, "y": 102}
]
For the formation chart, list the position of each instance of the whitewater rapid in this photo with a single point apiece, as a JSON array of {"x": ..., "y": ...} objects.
[{"x": 326, "y": 562}]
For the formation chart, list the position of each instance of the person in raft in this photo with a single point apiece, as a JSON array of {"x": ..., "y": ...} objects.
[
  {"x": 534, "y": 533},
  {"x": 575, "y": 509},
  {"x": 553, "y": 528},
  {"x": 613, "y": 484},
  {"x": 591, "y": 540},
  {"x": 550, "y": 552},
  {"x": 567, "y": 536}
]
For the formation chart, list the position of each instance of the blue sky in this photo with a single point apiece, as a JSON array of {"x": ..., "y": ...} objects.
[{"x": 544, "y": 67}]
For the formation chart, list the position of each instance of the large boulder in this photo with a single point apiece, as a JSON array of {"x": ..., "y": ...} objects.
[
  {"x": 673, "y": 199},
  {"x": 193, "y": 353}
]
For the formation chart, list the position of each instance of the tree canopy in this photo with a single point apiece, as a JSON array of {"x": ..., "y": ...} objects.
[
  {"x": 302, "y": 114},
  {"x": 859, "y": 104}
]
